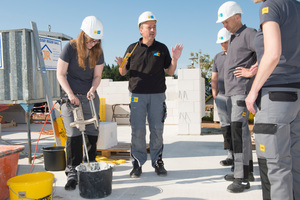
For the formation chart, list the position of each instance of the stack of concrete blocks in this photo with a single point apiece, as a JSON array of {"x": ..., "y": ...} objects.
[
  {"x": 191, "y": 101},
  {"x": 116, "y": 92},
  {"x": 185, "y": 100},
  {"x": 172, "y": 101}
]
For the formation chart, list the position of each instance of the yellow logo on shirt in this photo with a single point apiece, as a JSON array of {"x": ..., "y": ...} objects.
[
  {"x": 134, "y": 99},
  {"x": 244, "y": 114},
  {"x": 156, "y": 54},
  {"x": 262, "y": 147},
  {"x": 265, "y": 10}
]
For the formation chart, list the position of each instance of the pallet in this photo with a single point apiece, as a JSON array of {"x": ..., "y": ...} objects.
[
  {"x": 120, "y": 151},
  {"x": 9, "y": 124}
]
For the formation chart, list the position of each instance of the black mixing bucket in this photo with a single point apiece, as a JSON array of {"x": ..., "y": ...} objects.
[
  {"x": 94, "y": 182},
  {"x": 54, "y": 158}
]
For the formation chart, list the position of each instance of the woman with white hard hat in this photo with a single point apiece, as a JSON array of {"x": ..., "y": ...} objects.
[
  {"x": 79, "y": 71},
  {"x": 274, "y": 99}
]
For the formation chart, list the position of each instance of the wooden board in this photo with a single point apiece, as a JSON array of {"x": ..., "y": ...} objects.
[
  {"x": 121, "y": 151},
  {"x": 8, "y": 125}
]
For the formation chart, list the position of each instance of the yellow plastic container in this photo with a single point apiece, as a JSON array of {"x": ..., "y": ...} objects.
[
  {"x": 31, "y": 186},
  {"x": 61, "y": 130}
]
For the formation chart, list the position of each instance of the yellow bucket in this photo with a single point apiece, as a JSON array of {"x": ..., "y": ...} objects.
[{"x": 31, "y": 186}]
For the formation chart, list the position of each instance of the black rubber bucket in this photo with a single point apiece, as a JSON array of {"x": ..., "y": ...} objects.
[
  {"x": 54, "y": 158},
  {"x": 96, "y": 181}
]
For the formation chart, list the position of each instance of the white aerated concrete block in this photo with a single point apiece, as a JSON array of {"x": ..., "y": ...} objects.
[
  {"x": 186, "y": 106},
  {"x": 216, "y": 115},
  {"x": 107, "y": 135},
  {"x": 105, "y": 82},
  {"x": 195, "y": 128},
  {"x": 186, "y": 85},
  {"x": 191, "y": 74},
  {"x": 191, "y": 101},
  {"x": 183, "y": 129}
]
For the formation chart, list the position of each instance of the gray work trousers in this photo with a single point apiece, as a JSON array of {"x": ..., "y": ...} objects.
[
  {"x": 241, "y": 137},
  {"x": 277, "y": 138},
  {"x": 153, "y": 107},
  {"x": 87, "y": 114},
  {"x": 223, "y": 104},
  {"x": 74, "y": 136}
]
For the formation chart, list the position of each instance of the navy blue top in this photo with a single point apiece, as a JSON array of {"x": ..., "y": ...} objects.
[
  {"x": 79, "y": 79},
  {"x": 240, "y": 53},
  {"x": 218, "y": 66},
  {"x": 287, "y": 14}
]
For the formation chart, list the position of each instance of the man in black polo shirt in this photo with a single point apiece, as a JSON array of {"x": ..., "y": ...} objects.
[
  {"x": 241, "y": 53},
  {"x": 148, "y": 60}
]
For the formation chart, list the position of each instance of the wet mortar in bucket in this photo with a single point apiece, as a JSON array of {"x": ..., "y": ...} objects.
[{"x": 94, "y": 180}]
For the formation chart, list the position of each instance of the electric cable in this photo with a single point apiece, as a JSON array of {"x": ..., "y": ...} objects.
[{"x": 37, "y": 143}]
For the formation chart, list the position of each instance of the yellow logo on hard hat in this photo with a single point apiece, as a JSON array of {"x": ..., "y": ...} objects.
[
  {"x": 150, "y": 17},
  {"x": 265, "y": 10},
  {"x": 221, "y": 15},
  {"x": 98, "y": 32},
  {"x": 262, "y": 147}
]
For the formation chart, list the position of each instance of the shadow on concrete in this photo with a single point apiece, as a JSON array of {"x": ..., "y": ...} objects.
[{"x": 193, "y": 149}]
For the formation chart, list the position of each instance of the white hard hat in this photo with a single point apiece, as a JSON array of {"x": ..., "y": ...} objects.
[
  {"x": 223, "y": 35},
  {"x": 93, "y": 27},
  {"x": 227, "y": 10},
  {"x": 146, "y": 16}
]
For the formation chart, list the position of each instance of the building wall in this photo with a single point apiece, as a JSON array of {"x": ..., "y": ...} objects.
[
  {"x": 185, "y": 100},
  {"x": 191, "y": 87}
]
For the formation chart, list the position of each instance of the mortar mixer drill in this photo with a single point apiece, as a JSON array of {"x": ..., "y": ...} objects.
[{"x": 80, "y": 123}]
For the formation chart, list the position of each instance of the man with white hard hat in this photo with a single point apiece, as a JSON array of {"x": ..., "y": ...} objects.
[
  {"x": 218, "y": 90},
  {"x": 240, "y": 54},
  {"x": 147, "y": 61}
]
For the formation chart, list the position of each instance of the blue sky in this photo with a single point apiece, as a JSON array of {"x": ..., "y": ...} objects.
[{"x": 190, "y": 22}]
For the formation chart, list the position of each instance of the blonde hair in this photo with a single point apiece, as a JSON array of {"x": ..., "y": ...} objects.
[{"x": 80, "y": 45}]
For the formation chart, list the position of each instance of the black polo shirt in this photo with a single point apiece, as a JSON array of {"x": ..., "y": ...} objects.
[{"x": 147, "y": 67}]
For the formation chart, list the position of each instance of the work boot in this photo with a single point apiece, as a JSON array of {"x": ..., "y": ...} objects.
[
  {"x": 160, "y": 169},
  {"x": 71, "y": 184},
  {"x": 251, "y": 177},
  {"x": 227, "y": 162},
  {"x": 230, "y": 177},
  {"x": 238, "y": 185},
  {"x": 136, "y": 171}
]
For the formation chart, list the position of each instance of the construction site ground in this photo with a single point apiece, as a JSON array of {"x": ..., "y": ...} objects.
[{"x": 192, "y": 162}]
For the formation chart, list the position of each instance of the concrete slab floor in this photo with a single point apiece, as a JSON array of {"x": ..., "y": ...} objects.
[{"x": 192, "y": 162}]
